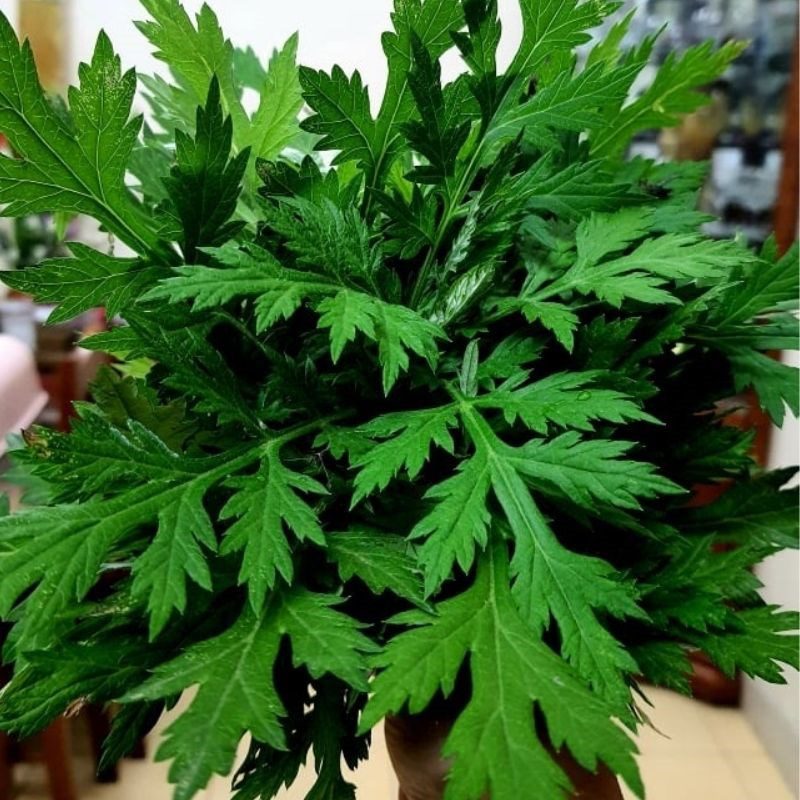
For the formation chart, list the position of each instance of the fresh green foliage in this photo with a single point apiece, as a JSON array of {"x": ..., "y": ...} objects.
[
  {"x": 264, "y": 503},
  {"x": 415, "y": 422},
  {"x": 198, "y": 54},
  {"x": 673, "y": 92},
  {"x": 237, "y": 693},
  {"x": 510, "y": 670},
  {"x": 87, "y": 280},
  {"x": 76, "y": 165}
]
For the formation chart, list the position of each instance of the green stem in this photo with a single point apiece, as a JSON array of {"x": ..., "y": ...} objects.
[
  {"x": 305, "y": 428},
  {"x": 270, "y": 353},
  {"x": 452, "y": 203},
  {"x": 455, "y": 198}
]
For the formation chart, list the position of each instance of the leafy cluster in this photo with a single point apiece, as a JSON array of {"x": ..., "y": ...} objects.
[{"x": 417, "y": 421}]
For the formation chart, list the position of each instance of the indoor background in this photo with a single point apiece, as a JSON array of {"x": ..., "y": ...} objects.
[{"x": 744, "y": 753}]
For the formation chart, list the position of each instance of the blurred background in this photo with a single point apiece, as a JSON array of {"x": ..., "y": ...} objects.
[{"x": 739, "y": 739}]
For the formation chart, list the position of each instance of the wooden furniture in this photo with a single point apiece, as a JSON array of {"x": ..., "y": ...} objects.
[
  {"x": 787, "y": 209},
  {"x": 5, "y": 768},
  {"x": 66, "y": 376}
]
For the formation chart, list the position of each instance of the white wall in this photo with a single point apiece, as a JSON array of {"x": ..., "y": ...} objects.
[
  {"x": 774, "y": 711},
  {"x": 344, "y": 32},
  {"x": 9, "y": 8}
]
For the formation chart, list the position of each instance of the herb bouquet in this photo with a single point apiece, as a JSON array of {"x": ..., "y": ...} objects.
[{"x": 426, "y": 420}]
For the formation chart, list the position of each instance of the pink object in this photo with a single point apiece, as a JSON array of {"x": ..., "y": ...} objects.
[{"x": 21, "y": 395}]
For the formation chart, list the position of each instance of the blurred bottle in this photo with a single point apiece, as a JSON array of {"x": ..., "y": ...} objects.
[
  {"x": 45, "y": 23},
  {"x": 694, "y": 138},
  {"x": 745, "y": 168}
]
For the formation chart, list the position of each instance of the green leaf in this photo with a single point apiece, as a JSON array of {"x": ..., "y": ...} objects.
[
  {"x": 172, "y": 108},
  {"x": 161, "y": 572},
  {"x": 457, "y": 523},
  {"x": 307, "y": 181},
  {"x": 278, "y": 293},
  {"x": 274, "y": 125},
  {"x": 346, "y": 314},
  {"x": 756, "y": 644},
  {"x": 248, "y": 68},
  {"x": 78, "y": 537},
  {"x": 203, "y": 185},
  {"x": 251, "y": 272},
  {"x": 440, "y": 132},
  {"x": 102, "y": 458},
  {"x": 343, "y": 118},
  {"x": 674, "y": 91},
  {"x": 467, "y": 289},
  {"x": 125, "y": 398},
  {"x": 691, "y": 588},
  {"x": 493, "y": 745},
  {"x": 236, "y": 694},
  {"x": 326, "y": 724},
  {"x": 551, "y": 27},
  {"x": 130, "y": 725},
  {"x": 607, "y": 51},
  {"x": 600, "y": 235},
  {"x": 75, "y": 164},
  {"x": 714, "y": 451},
  {"x": 409, "y": 436},
  {"x": 776, "y": 384},
  {"x": 553, "y": 581},
  {"x": 90, "y": 279},
  {"x": 194, "y": 367},
  {"x": 509, "y": 357},
  {"x": 328, "y": 734},
  {"x": 557, "y": 318},
  {"x": 433, "y": 21},
  {"x": 478, "y": 48},
  {"x": 664, "y": 664},
  {"x": 769, "y": 285},
  {"x": 567, "y": 104},
  {"x": 751, "y": 511},
  {"x": 379, "y": 559},
  {"x": 195, "y": 55},
  {"x": 591, "y": 471},
  {"x": 645, "y": 273},
  {"x": 330, "y": 241},
  {"x": 48, "y": 683},
  {"x": 120, "y": 341},
  {"x": 565, "y": 399},
  {"x": 236, "y": 691},
  {"x": 575, "y": 189},
  {"x": 468, "y": 374},
  {"x": 263, "y": 504},
  {"x": 395, "y": 328}
]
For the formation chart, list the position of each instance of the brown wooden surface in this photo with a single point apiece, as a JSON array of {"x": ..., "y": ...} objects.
[
  {"x": 788, "y": 204},
  {"x": 58, "y": 761},
  {"x": 45, "y": 24},
  {"x": 99, "y": 723},
  {"x": 5, "y": 768}
]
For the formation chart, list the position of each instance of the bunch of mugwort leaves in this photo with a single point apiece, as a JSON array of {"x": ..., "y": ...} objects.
[{"x": 419, "y": 418}]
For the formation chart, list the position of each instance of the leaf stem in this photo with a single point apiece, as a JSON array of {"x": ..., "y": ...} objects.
[{"x": 270, "y": 353}]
